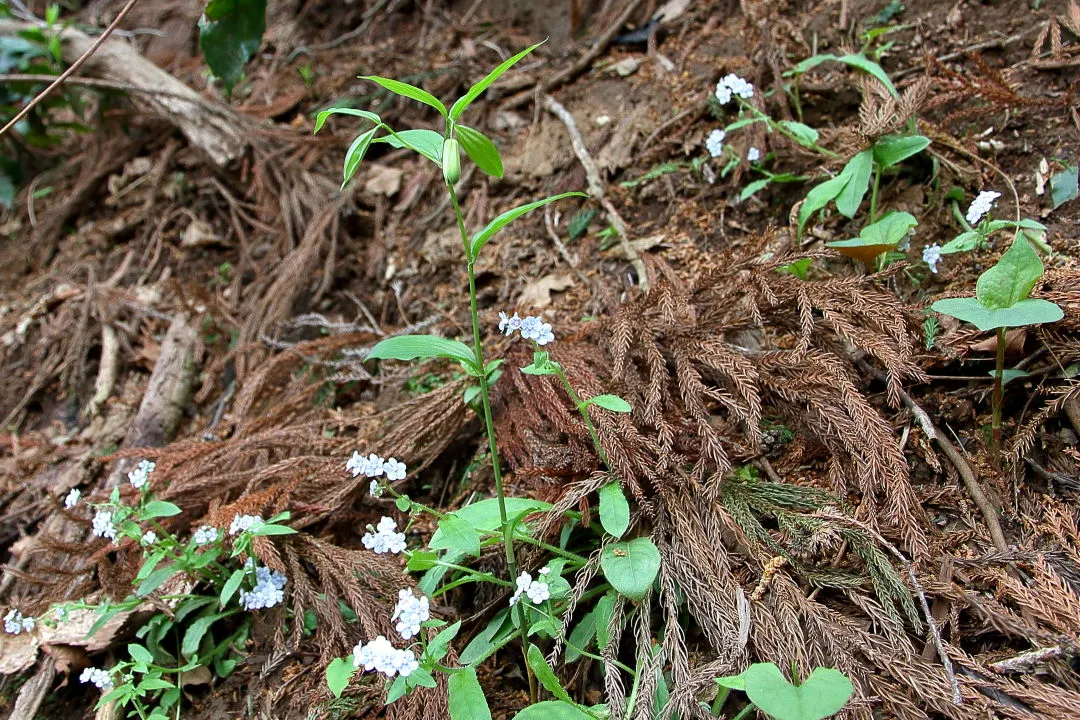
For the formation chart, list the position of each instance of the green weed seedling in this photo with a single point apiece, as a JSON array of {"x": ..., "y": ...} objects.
[
  {"x": 1001, "y": 302},
  {"x": 823, "y": 694}
]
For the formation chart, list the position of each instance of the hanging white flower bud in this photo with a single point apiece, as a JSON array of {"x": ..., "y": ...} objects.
[{"x": 451, "y": 161}]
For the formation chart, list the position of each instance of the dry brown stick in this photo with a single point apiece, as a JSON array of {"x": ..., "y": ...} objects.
[
  {"x": 92, "y": 83},
  {"x": 1024, "y": 662},
  {"x": 577, "y": 68},
  {"x": 596, "y": 187},
  {"x": 71, "y": 68},
  {"x": 33, "y": 693},
  {"x": 561, "y": 247}
]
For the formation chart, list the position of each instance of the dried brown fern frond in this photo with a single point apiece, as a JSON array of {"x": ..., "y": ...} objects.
[{"x": 881, "y": 114}]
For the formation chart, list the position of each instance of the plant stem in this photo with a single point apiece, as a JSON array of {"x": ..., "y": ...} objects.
[
  {"x": 745, "y": 712},
  {"x": 489, "y": 426},
  {"x": 719, "y": 700},
  {"x": 995, "y": 423},
  {"x": 874, "y": 192},
  {"x": 584, "y": 410}
]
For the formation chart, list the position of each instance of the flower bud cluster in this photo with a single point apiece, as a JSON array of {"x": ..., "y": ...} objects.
[{"x": 409, "y": 612}]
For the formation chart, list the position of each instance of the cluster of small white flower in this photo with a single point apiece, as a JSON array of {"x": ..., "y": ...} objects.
[
  {"x": 536, "y": 590},
  {"x": 531, "y": 328},
  {"x": 98, "y": 677},
  {"x": 409, "y": 612},
  {"x": 981, "y": 205},
  {"x": 141, "y": 474},
  {"x": 384, "y": 539},
  {"x": 374, "y": 467},
  {"x": 243, "y": 523},
  {"x": 103, "y": 525},
  {"x": 732, "y": 84},
  {"x": 205, "y": 535},
  {"x": 380, "y": 655},
  {"x": 269, "y": 589},
  {"x": 15, "y": 622},
  {"x": 148, "y": 538},
  {"x": 714, "y": 143},
  {"x": 931, "y": 254},
  {"x": 72, "y": 498}
]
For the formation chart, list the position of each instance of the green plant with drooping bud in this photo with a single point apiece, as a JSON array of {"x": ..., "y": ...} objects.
[{"x": 1001, "y": 302}]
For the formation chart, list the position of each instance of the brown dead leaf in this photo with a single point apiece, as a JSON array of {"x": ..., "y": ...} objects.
[
  {"x": 1014, "y": 343},
  {"x": 382, "y": 180},
  {"x": 198, "y": 676},
  {"x": 66, "y": 657},
  {"x": 537, "y": 294},
  {"x": 17, "y": 652}
]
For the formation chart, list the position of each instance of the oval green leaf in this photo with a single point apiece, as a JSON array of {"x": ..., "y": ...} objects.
[
  {"x": 819, "y": 196},
  {"x": 482, "y": 151},
  {"x": 614, "y": 403},
  {"x": 1011, "y": 279},
  {"x": 410, "y": 91},
  {"x": 889, "y": 230},
  {"x": 614, "y": 509},
  {"x": 858, "y": 171},
  {"x": 480, "y": 239},
  {"x": 231, "y": 586},
  {"x": 964, "y": 242},
  {"x": 474, "y": 92},
  {"x": 338, "y": 674},
  {"x": 894, "y": 149},
  {"x": 159, "y": 508},
  {"x": 467, "y": 699},
  {"x": 230, "y": 32},
  {"x": 1032, "y": 311},
  {"x": 803, "y": 134},
  {"x": 631, "y": 567},
  {"x": 456, "y": 533}
]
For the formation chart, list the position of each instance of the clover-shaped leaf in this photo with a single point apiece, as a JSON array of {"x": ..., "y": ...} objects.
[{"x": 1012, "y": 278}]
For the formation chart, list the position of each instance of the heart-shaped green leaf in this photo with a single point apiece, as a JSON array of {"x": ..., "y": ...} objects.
[
  {"x": 822, "y": 694},
  {"x": 631, "y": 566},
  {"x": 1032, "y": 311},
  {"x": 1012, "y": 278},
  {"x": 338, "y": 674}
]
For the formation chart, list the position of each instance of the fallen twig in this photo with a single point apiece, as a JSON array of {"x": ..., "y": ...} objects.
[{"x": 596, "y": 187}]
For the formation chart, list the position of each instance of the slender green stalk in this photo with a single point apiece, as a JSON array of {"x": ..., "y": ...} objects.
[
  {"x": 719, "y": 700},
  {"x": 633, "y": 696},
  {"x": 745, "y": 712},
  {"x": 489, "y": 426},
  {"x": 584, "y": 410},
  {"x": 874, "y": 193},
  {"x": 995, "y": 423}
]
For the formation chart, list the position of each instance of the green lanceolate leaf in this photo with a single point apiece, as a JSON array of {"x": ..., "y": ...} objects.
[
  {"x": 581, "y": 636},
  {"x": 1009, "y": 374},
  {"x": 1031, "y": 311},
  {"x": 159, "y": 508},
  {"x": 412, "y": 347},
  {"x": 545, "y": 674},
  {"x": 140, "y": 654},
  {"x": 410, "y": 91},
  {"x": 614, "y": 403},
  {"x": 631, "y": 566},
  {"x": 426, "y": 142},
  {"x": 480, "y": 239},
  {"x": 605, "y": 606},
  {"x": 482, "y": 151},
  {"x": 497, "y": 633},
  {"x": 803, "y": 134},
  {"x": 440, "y": 644},
  {"x": 474, "y": 92},
  {"x": 338, "y": 674},
  {"x": 466, "y": 698},
  {"x": 320, "y": 119},
  {"x": 849, "y": 199},
  {"x": 231, "y": 586},
  {"x": 964, "y": 242},
  {"x": 355, "y": 154},
  {"x": 820, "y": 196},
  {"x": 859, "y": 61},
  {"x": 821, "y": 695},
  {"x": 553, "y": 710},
  {"x": 1012, "y": 278},
  {"x": 614, "y": 509},
  {"x": 894, "y": 149},
  {"x": 230, "y": 32},
  {"x": 458, "y": 534},
  {"x": 195, "y": 633}
]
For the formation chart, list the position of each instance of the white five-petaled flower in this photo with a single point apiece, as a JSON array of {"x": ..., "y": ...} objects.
[
  {"x": 714, "y": 143},
  {"x": 141, "y": 474},
  {"x": 243, "y": 523},
  {"x": 383, "y": 657},
  {"x": 536, "y": 590},
  {"x": 981, "y": 205},
  {"x": 72, "y": 498},
  {"x": 269, "y": 589},
  {"x": 148, "y": 538},
  {"x": 931, "y": 254},
  {"x": 103, "y": 525},
  {"x": 15, "y": 622},
  {"x": 98, "y": 677},
  {"x": 409, "y": 612},
  {"x": 205, "y": 535},
  {"x": 753, "y": 155},
  {"x": 732, "y": 84},
  {"x": 394, "y": 470},
  {"x": 384, "y": 539}
]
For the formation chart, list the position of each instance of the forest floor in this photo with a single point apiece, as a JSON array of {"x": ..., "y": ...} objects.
[{"x": 212, "y": 316}]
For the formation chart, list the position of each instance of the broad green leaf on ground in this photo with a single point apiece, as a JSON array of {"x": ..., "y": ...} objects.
[
  {"x": 614, "y": 509},
  {"x": 631, "y": 566},
  {"x": 482, "y": 151},
  {"x": 849, "y": 199},
  {"x": 406, "y": 90},
  {"x": 458, "y": 534},
  {"x": 859, "y": 61},
  {"x": 474, "y": 92},
  {"x": 484, "y": 515},
  {"x": 480, "y": 239},
  {"x": 1011, "y": 279},
  {"x": 888, "y": 231},
  {"x": 553, "y": 710},
  {"x": 159, "y": 508},
  {"x": 426, "y": 142},
  {"x": 1031, "y": 311},
  {"x": 545, "y": 674},
  {"x": 412, "y": 347},
  {"x": 819, "y": 696},
  {"x": 230, "y": 32},
  {"x": 894, "y": 149},
  {"x": 466, "y": 697},
  {"x": 338, "y": 674},
  {"x": 1063, "y": 186}
]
